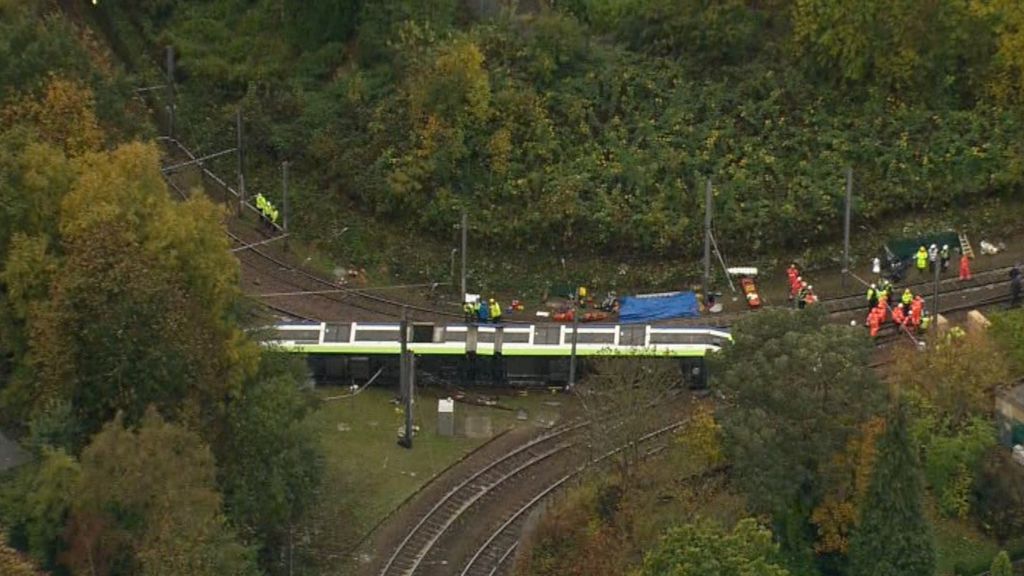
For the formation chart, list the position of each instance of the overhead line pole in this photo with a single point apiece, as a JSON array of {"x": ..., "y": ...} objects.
[
  {"x": 284, "y": 195},
  {"x": 462, "y": 284},
  {"x": 846, "y": 226},
  {"x": 707, "y": 240},
  {"x": 170, "y": 92},
  {"x": 241, "y": 162}
]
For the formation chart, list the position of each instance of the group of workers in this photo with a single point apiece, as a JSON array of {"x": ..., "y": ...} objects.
[
  {"x": 800, "y": 292},
  {"x": 929, "y": 258},
  {"x": 907, "y": 313},
  {"x": 268, "y": 212},
  {"x": 479, "y": 311}
]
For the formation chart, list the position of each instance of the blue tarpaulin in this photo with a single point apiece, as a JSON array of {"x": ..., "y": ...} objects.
[{"x": 650, "y": 307}]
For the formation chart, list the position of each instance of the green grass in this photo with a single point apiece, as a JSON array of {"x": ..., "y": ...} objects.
[
  {"x": 368, "y": 475},
  {"x": 963, "y": 549}
]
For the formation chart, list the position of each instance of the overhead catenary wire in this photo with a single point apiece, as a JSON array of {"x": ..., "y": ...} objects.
[{"x": 346, "y": 290}]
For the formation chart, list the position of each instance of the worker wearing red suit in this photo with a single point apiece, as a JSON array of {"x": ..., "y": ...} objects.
[{"x": 965, "y": 267}]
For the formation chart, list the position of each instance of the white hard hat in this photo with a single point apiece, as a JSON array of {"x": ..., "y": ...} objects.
[
  {"x": 809, "y": 287},
  {"x": 945, "y": 246},
  {"x": 872, "y": 284}
]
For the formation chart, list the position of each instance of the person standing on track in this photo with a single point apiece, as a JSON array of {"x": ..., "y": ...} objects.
[
  {"x": 792, "y": 273},
  {"x": 933, "y": 257},
  {"x": 965, "y": 267},
  {"x": 922, "y": 259},
  {"x": 483, "y": 312},
  {"x": 907, "y": 299},
  {"x": 872, "y": 297},
  {"x": 874, "y": 322},
  {"x": 944, "y": 257},
  {"x": 495, "y": 311}
]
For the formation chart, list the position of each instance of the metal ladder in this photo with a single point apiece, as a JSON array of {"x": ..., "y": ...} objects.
[{"x": 965, "y": 246}]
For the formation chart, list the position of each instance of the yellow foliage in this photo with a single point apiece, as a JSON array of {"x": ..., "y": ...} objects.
[
  {"x": 64, "y": 116},
  {"x": 701, "y": 438},
  {"x": 848, "y": 476},
  {"x": 13, "y": 563},
  {"x": 957, "y": 376},
  {"x": 500, "y": 150}
]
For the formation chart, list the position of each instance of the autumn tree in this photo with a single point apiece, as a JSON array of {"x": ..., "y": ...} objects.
[
  {"x": 147, "y": 503},
  {"x": 705, "y": 549},
  {"x": 142, "y": 311},
  {"x": 846, "y": 479},
  {"x": 796, "y": 390},
  {"x": 894, "y": 537}
]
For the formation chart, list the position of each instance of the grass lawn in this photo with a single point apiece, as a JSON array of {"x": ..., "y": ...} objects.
[
  {"x": 963, "y": 549},
  {"x": 368, "y": 474}
]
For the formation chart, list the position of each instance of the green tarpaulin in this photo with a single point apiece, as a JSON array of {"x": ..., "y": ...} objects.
[{"x": 906, "y": 248}]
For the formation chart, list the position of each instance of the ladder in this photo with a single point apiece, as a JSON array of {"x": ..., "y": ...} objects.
[{"x": 965, "y": 246}]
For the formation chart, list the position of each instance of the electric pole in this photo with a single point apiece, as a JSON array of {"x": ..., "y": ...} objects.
[
  {"x": 846, "y": 226},
  {"x": 170, "y": 92},
  {"x": 707, "y": 240},
  {"x": 465, "y": 224},
  {"x": 241, "y": 163}
]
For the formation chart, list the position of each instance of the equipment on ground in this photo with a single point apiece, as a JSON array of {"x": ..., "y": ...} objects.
[{"x": 747, "y": 274}]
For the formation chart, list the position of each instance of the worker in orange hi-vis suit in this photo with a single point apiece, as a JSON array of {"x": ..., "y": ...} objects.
[
  {"x": 897, "y": 315},
  {"x": 874, "y": 322},
  {"x": 965, "y": 267}
]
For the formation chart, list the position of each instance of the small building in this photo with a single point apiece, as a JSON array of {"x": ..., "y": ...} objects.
[{"x": 1010, "y": 415}]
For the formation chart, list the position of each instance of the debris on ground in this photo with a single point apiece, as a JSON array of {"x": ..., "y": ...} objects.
[{"x": 990, "y": 249}]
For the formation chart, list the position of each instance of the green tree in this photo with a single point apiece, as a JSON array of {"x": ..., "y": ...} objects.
[
  {"x": 143, "y": 309},
  {"x": 1001, "y": 565},
  {"x": 796, "y": 390},
  {"x": 35, "y": 506},
  {"x": 999, "y": 493},
  {"x": 270, "y": 463},
  {"x": 705, "y": 549},
  {"x": 147, "y": 504},
  {"x": 894, "y": 537}
]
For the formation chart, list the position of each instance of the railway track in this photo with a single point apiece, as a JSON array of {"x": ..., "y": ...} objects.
[
  {"x": 338, "y": 305},
  {"x": 493, "y": 556},
  {"x": 408, "y": 557},
  {"x": 422, "y": 548}
]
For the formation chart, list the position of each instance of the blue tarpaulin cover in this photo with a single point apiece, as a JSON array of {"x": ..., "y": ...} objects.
[{"x": 650, "y": 307}]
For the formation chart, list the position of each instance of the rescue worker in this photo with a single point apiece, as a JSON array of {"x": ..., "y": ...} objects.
[
  {"x": 890, "y": 292},
  {"x": 810, "y": 298},
  {"x": 944, "y": 257},
  {"x": 876, "y": 266},
  {"x": 872, "y": 297},
  {"x": 922, "y": 259},
  {"x": 907, "y": 299},
  {"x": 794, "y": 288},
  {"x": 916, "y": 309},
  {"x": 483, "y": 312},
  {"x": 898, "y": 316},
  {"x": 874, "y": 322},
  {"x": 933, "y": 257},
  {"x": 965, "y": 267},
  {"x": 881, "y": 310},
  {"x": 1015, "y": 286},
  {"x": 883, "y": 295},
  {"x": 792, "y": 273},
  {"x": 495, "y": 311},
  {"x": 801, "y": 295},
  {"x": 469, "y": 311},
  {"x": 261, "y": 206}
]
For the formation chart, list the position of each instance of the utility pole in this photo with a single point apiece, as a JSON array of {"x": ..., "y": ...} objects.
[
  {"x": 707, "y": 240},
  {"x": 241, "y": 163},
  {"x": 284, "y": 195},
  {"x": 846, "y": 225},
  {"x": 170, "y": 92},
  {"x": 405, "y": 368},
  {"x": 465, "y": 224},
  {"x": 575, "y": 326}
]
